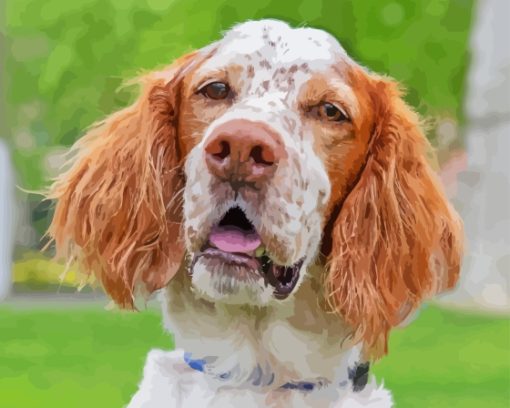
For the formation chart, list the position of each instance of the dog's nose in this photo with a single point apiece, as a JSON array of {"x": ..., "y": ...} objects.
[{"x": 243, "y": 151}]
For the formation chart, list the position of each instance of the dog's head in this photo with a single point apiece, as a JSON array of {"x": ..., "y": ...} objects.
[{"x": 248, "y": 161}]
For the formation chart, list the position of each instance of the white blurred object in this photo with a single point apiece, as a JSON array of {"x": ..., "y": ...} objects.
[
  {"x": 483, "y": 189},
  {"x": 6, "y": 220}
]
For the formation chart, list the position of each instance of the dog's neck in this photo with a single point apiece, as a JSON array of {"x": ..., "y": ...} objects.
[{"x": 291, "y": 341}]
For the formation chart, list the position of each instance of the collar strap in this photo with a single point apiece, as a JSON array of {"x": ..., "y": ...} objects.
[
  {"x": 358, "y": 375},
  {"x": 197, "y": 364},
  {"x": 300, "y": 386}
]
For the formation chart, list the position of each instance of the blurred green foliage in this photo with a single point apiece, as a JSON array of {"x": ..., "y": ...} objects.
[
  {"x": 66, "y": 59},
  {"x": 34, "y": 271}
]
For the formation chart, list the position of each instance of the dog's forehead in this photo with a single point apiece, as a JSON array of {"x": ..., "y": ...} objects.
[{"x": 276, "y": 43}]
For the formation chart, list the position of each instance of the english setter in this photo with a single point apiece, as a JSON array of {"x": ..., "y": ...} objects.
[{"x": 279, "y": 195}]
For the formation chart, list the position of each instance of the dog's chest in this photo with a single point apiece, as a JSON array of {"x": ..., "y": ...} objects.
[{"x": 308, "y": 345}]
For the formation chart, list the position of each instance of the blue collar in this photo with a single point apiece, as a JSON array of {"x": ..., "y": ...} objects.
[
  {"x": 194, "y": 364},
  {"x": 358, "y": 375}
]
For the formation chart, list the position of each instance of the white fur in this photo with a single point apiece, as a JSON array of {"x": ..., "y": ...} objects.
[
  {"x": 169, "y": 383},
  {"x": 294, "y": 340}
]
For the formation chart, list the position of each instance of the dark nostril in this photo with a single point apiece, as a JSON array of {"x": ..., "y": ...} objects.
[
  {"x": 222, "y": 150},
  {"x": 261, "y": 156}
]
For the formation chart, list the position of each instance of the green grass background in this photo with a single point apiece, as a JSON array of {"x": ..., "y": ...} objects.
[{"x": 66, "y": 355}]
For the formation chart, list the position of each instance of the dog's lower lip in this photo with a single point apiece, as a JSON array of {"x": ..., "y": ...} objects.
[
  {"x": 282, "y": 278},
  {"x": 232, "y": 257}
]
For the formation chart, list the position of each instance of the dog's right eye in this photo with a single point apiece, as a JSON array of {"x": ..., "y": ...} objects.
[
  {"x": 331, "y": 113},
  {"x": 215, "y": 90}
]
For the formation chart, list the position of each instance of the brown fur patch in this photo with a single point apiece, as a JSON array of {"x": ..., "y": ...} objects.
[
  {"x": 391, "y": 223},
  {"x": 119, "y": 206}
]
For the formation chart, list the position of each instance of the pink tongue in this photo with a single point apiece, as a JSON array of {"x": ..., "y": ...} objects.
[{"x": 231, "y": 239}]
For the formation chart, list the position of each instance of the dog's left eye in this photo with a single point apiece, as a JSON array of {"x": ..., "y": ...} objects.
[
  {"x": 331, "y": 113},
  {"x": 215, "y": 90}
]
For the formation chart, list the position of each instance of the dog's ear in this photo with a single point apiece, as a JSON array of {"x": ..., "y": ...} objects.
[
  {"x": 396, "y": 239},
  {"x": 118, "y": 208}
]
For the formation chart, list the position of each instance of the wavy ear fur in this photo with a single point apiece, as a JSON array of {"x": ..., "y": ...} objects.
[
  {"x": 396, "y": 239},
  {"x": 118, "y": 207}
]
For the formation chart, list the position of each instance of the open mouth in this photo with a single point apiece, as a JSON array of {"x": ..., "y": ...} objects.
[{"x": 234, "y": 240}]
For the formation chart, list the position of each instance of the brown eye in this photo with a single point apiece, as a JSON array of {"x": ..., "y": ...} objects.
[
  {"x": 215, "y": 90},
  {"x": 331, "y": 113}
]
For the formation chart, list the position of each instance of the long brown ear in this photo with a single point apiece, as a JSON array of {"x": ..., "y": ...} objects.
[
  {"x": 118, "y": 207},
  {"x": 396, "y": 239}
]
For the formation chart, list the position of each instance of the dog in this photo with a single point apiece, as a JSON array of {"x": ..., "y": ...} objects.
[{"x": 278, "y": 196}]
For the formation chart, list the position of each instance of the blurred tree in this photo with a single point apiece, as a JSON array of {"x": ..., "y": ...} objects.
[
  {"x": 484, "y": 188},
  {"x": 6, "y": 219}
]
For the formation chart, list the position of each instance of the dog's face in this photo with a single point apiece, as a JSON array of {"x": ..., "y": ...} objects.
[
  {"x": 257, "y": 130},
  {"x": 247, "y": 161}
]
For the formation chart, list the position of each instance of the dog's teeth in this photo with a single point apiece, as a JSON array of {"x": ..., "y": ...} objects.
[{"x": 260, "y": 251}]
